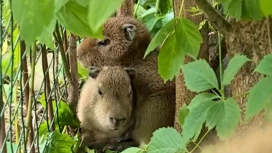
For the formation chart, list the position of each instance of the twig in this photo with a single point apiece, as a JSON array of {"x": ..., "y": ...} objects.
[{"x": 216, "y": 19}]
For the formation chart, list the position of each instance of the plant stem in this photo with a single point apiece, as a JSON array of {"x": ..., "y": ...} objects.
[
  {"x": 31, "y": 94},
  {"x": 181, "y": 7},
  {"x": 197, "y": 145},
  {"x": 136, "y": 9},
  {"x": 222, "y": 87}
]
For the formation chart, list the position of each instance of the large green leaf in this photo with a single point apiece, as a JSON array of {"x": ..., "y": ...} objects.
[
  {"x": 266, "y": 7},
  {"x": 133, "y": 150},
  {"x": 100, "y": 11},
  {"x": 183, "y": 112},
  {"x": 189, "y": 37},
  {"x": 235, "y": 8},
  {"x": 253, "y": 9},
  {"x": 65, "y": 115},
  {"x": 225, "y": 115},
  {"x": 228, "y": 123},
  {"x": 259, "y": 96},
  {"x": 265, "y": 66},
  {"x": 160, "y": 36},
  {"x": 234, "y": 65},
  {"x": 170, "y": 58},
  {"x": 166, "y": 140},
  {"x": 197, "y": 115},
  {"x": 33, "y": 17},
  {"x": 59, "y": 143},
  {"x": 73, "y": 17},
  {"x": 199, "y": 76}
]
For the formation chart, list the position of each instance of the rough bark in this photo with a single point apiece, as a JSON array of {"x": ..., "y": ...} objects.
[
  {"x": 250, "y": 38},
  {"x": 73, "y": 92},
  {"x": 183, "y": 95},
  {"x": 126, "y": 9}
]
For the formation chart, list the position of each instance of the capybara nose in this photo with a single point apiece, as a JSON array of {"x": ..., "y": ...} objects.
[{"x": 117, "y": 121}]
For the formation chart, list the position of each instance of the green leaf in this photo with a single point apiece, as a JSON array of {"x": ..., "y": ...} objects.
[
  {"x": 266, "y": 7},
  {"x": 65, "y": 115},
  {"x": 97, "y": 14},
  {"x": 73, "y": 17},
  {"x": 234, "y": 65},
  {"x": 132, "y": 150},
  {"x": 253, "y": 9},
  {"x": 82, "y": 72},
  {"x": 59, "y": 4},
  {"x": 183, "y": 112},
  {"x": 166, "y": 140},
  {"x": 163, "y": 6},
  {"x": 46, "y": 36},
  {"x": 170, "y": 58},
  {"x": 234, "y": 8},
  {"x": 59, "y": 143},
  {"x": 265, "y": 66},
  {"x": 160, "y": 36},
  {"x": 259, "y": 96},
  {"x": 197, "y": 115},
  {"x": 11, "y": 147},
  {"x": 228, "y": 123},
  {"x": 189, "y": 37},
  {"x": 199, "y": 76},
  {"x": 33, "y": 13}
]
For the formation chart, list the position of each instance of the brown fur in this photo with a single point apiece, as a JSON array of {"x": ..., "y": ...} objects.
[
  {"x": 95, "y": 110},
  {"x": 155, "y": 100}
]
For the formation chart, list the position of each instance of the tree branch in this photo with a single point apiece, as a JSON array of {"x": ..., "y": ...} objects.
[{"x": 216, "y": 19}]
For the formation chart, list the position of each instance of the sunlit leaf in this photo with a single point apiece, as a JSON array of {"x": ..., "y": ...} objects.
[
  {"x": 36, "y": 16},
  {"x": 266, "y": 7},
  {"x": 97, "y": 14}
]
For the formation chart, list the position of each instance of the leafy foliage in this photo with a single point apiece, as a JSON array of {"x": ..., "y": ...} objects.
[
  {"x": 59, "y": 143},
  {"x": 259, "y": 97},
  {"x": 64, "y": 114},
  {"x": 95, "y": 20},
  {"x": 199, "y": 76},
  {"x": 265, "y": 66},
  {"x": 243, "y": 9},
  {"x": 172, "y": 52},
  {"x": 30, "y": 17},
  {"x": 223, "y": 112},
  {"x": 166, "y": 140},
  {"x": 234, "y": 65}
]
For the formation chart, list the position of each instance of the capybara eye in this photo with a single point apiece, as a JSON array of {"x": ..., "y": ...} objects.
[
  {"x": 100, "y": 92},
  {"x": 104, "y": 42}
]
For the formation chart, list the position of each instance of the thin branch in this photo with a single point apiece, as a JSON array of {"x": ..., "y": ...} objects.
[
  {"x": 216, "y": 19},
  {"x": 47, "y": 87},
  {"x": 73, "y": 84}
]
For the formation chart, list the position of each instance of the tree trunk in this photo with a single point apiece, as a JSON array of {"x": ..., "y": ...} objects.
[
  {"x": 249, "y": 38},
  {"x": 183, "y": 95}
]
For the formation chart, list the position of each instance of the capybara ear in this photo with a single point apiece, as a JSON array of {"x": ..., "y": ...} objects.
[
  {"x": 94, "y": 71},
  {"x": 130, "y": 31},
  {"x": 131, "y": 71}
]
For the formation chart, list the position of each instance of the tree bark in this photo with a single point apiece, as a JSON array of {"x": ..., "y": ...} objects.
[
  {"x": 183, "y": 95},
  {"x": 250, "y": 38}
]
